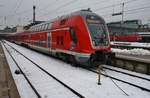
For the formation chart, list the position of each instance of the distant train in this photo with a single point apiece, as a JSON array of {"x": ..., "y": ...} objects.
[
  {"x": 119, "y": 32},
  {"x": 81, "y": 37},
  {"x": 126, "y": 38}
]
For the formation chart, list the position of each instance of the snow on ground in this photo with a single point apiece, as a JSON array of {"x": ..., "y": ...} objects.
[
  {"x": 23, "y": 87},
  {"x": 82, "y": 80},
  {"x": 139, "y": 82},
  {"x": 44, "y": 84},
  {"x": 135, "y": 51}
]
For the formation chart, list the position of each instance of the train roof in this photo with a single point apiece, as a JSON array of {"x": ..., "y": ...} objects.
[{"x": 82, "y": 13}]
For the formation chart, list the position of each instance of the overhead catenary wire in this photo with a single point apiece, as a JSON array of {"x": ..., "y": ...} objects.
[
  {"x": 130, "y": 11},
  {"x": 59, "y": 7},
  {"x": 112, "y": 5},
  {"x": 62, "y": 6},
  {"x": 18, "y": 6},
  {"x": 116, "y": 84}
]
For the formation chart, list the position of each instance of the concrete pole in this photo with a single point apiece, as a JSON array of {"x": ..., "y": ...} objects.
[
  {"x": 34, "y": 14},
  {"x": 122, "y": 12}
]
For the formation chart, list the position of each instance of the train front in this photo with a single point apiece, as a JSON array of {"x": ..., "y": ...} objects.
[{"x": 99, "y": 39}]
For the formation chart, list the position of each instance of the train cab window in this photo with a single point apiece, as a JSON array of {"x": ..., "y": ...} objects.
[
  {"x": 98, "y": 30},
  {"x": 73, "y": 35}
]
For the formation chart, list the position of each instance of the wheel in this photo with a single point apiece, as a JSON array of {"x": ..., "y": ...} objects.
[{"x": 73, "y": 61}]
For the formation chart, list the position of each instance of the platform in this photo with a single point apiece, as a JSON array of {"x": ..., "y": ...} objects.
[
  {"x": 7, "y": 86},
  {"x": 137, "y": 63}
]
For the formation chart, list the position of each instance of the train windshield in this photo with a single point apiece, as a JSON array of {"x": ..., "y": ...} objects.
[{"x": 98, "y": 31}]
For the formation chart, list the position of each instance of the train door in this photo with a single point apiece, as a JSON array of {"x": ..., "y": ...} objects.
[{"x": 49, "y": 39}]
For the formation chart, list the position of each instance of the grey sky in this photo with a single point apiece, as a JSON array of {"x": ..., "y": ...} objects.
[{"x": 19, "y": 12}]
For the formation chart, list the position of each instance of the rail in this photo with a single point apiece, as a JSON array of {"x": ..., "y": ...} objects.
[{"x": 65, "y": 85}]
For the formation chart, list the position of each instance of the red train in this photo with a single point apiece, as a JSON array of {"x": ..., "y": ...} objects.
[
  {"x": 126, "y": 38},
  {"x": 81, "y": 37}
]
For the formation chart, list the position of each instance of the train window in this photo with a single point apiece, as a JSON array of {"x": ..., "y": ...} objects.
[
  {"x": 37, "y": 28},
  {"x": 31, "y": 28},
  {"x": 40, "y": 28},
  {"x": 43, "y": 27},
  {"x": 73, "y": 35},
  {"x": 49, "y": 26},
  {"x": 34, "y": 29},
  {"x": 49, "y": 39},
  {"x": 46, "y": 27},
  {"x": 98, "y": 30}
]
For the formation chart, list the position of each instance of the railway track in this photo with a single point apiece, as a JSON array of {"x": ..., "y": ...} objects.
[
  {"x": 43, "y": 70},
  {"x": 126, "y": 73},
  {"x": 132, "y": 84},
  {"x": 114, "y": 78}
]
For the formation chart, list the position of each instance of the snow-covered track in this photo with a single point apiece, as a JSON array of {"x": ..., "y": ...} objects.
[
  {"x": 126, "y": 73},
  {"x": 29, "y": 82},
  {"x": 52, "y": 76},
  {"x": 121, "y": 80}
]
